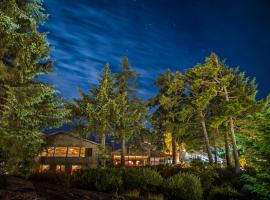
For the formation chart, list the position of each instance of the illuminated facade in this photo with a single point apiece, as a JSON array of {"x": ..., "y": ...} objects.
[
  {"x": 137, "y": 160},
  {"x": 67, "y": 153},
  {"x": 131, "y": 160}
]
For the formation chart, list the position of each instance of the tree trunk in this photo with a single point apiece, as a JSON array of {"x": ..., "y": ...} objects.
[
  {"x": 127, "y": 148},
  {"x": 177, "y": 159},
  {"x": 183, "y": 155},
  {"x": 174, "y": 154},
  {"x": 103, "y": 141},
  {"x": 227, "y": 150},
  {"x": 103, "y": 146},
  {"x": 206, "y": 138},
  {"x": 123, "y": 153},
  {"x": 235, "y": 148},
  {"x": 215, "y": 144},
  {"x": 216, "y": 157},
  {"x": 215, "y": 147}
]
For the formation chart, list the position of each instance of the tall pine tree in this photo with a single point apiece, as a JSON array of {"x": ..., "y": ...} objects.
[
  {"x": 27, "y": 106},
  {"x": 93, "y": 112},
  {"x": 129, "y": 110}
]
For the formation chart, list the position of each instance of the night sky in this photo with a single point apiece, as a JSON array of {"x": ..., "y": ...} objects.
[{"x": 155, "y": 35}]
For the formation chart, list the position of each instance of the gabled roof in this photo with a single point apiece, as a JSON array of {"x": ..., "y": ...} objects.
[{"x": 69, "y": 134}]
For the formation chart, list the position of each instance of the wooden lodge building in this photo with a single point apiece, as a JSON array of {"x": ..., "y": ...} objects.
[{"x": 67, "y": 153}]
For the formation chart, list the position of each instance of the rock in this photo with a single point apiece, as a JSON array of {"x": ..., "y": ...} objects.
[{"x": 21, "y": 189}]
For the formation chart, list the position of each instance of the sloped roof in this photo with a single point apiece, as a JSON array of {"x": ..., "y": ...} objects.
[{"x": 69, "y": 134}]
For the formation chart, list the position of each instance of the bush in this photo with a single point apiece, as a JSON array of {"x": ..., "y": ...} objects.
[
  {"x": 169, "y": 170},
  {"x": 131, "y": 178},
  {"x": 150, "y": 180},
  {"x": 183, "y": 186},
  {"x": 197, "y": 163},
  {"x": 228, "y": 176},
  {"x": 225, "y": 174},
  {"x": 207, "y": 175},
  {"x": 258, "y": 185},
  {"x": 144, "y": 179},
  {"x": 105, "y": 180},
  {"x": 108, "y": 180},
  {"x": 84, "y": 179},
  {"x": 51, "y": 177},
  {"x": 223, "y": 193}
]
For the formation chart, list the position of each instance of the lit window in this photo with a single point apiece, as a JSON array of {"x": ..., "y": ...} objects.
[
  {"x": 76, "y": 168},
  {"x": 50, "y": 151},
  {"x": 130, "y": 163},
  {"x": 44, "y": 153},
  {"x": 73, "y": 151},
  {"x": 44, "y": 168},
  {"x": 60, "y": 152},
  {"x": 47, "y": 152},
  {"x": 82, "y": 154},
  {"x": 60, "y": 168}
]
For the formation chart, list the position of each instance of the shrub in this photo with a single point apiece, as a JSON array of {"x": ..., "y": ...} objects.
[
  {"x": 225, "y": 174},
  {"x": 169, "y": 170},
  {"x": 84, "y": 179},
  {"x": 228, "y": 176},
  {"x": 197, "y": 163},
  {"x": 51, "y": 177},
  {"x": 108, "y": 180},
  {"x": 207, "y": 175},
  {"x": 144, "y": 179},
  {"x": 258, "y": 185},
  {"x": 223, "y": 193},
  {"x": 150, "y": 180},
  {"x": 131, "y": 178},
  {"x": 105, "y": 180},
  {"x": 183, "y": 186}
]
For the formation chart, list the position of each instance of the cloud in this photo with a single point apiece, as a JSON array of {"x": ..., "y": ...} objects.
[{"x": 155, "y": 35}]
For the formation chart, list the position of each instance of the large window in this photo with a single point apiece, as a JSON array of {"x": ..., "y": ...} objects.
[
  {"x": 60, "y": 152},
  {"x": 67, "y": 152}
]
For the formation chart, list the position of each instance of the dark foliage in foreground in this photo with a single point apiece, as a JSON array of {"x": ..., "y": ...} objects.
[
  {"x": 3, "y": 181},
  {"x": 200, "y": 181}
]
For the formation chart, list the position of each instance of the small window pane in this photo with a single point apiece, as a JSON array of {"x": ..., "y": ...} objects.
[
  {"x": 60, "y": 168},
  {"x": 60, "y": 151},
  {"x": 44, "y": 168},
  {"x": 73, "y": 151},
  {"x": 50, "y": 151},
  {"x": 76, "y": 168}
]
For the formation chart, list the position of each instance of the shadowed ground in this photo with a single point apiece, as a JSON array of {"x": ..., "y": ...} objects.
[{"x": 20, "y": 189}]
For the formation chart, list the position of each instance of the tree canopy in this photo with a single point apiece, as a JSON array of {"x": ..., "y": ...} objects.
[{"x": 27, "y": 105}]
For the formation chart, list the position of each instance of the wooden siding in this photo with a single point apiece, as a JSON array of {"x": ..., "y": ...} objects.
[{"x": 62, "y": 139}]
